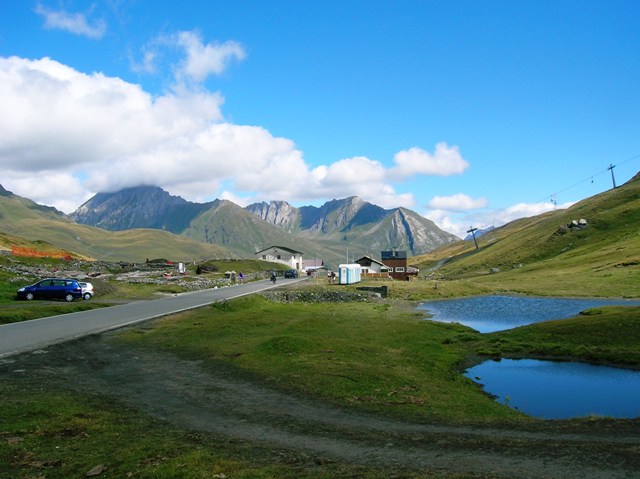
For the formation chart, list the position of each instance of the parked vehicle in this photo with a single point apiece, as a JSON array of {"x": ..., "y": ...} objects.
[
  {"x": 87, "y": 290},
  {"x": 291, "y": 273},
  {"x": 52, "y": 288}
]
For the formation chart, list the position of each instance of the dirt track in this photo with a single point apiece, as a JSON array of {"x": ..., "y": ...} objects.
[{"x": 229, "y": 403}]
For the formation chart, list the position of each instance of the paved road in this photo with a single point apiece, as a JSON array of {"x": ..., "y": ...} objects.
[{"x": 17, "y": 338}]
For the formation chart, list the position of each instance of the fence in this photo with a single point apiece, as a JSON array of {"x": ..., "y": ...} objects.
[{"x": 34, "y": 253}]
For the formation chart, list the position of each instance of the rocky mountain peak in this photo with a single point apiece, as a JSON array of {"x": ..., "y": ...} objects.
[
  {"x": 137, "y": 207},
  {"x": 279, "y": 213}
]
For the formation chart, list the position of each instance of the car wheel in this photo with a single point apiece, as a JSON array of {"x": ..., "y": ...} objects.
[
  {"x": 87, "y": 296},
  {"x": 68, "y": 298},
  {"x": 29, "y": 296}
]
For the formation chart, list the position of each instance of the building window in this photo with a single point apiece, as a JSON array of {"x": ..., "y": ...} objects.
[
  {"x": 279, "y": 257},
  {"x": 399, "y": 269},
  {"x": 264, "y": 256}
]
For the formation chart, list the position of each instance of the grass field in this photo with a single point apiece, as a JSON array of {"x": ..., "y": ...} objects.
[
  {"x": 374, "y": 356},
  {"x": 382, "y": 357}
]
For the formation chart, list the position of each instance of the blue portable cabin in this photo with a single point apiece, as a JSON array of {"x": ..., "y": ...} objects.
[{"x": 349, "y": 273}]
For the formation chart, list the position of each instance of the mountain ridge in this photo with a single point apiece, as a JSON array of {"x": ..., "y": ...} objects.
[
  {"x": 337, "y": 224},
  {"x": 21, "y": 217}
]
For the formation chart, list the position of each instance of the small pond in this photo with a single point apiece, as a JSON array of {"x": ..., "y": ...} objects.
[
  {"x": 487, "y": 314},
  {"x": 559, "y": 390}
]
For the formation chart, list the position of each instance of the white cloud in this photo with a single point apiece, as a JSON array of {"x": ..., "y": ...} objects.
[
  {"x": 351, "y": 170},
  {"x": 90, "y": 119},
  {"x": 458, "y": 223},
  {"x": 458, "y": 202},
  {"x": 445, "y": 161},
  {"x": 443, "y": 220},
  {"x": 197, "y": 60},
  {"x": 75, "y": 23},
  {"x": 357, "y": 176},
  {"x": 523, "y": 210},
  {"x": 100, "y": 134},
  {"x": 240, "y": 200},
  {"x": 203, "y": 60},
  {"x": 147, "y": 64},
  {"x": 58, "y": 189}
]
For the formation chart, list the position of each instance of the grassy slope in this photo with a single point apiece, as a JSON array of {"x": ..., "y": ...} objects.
[
  {"x": 606, "y": 335},
  {"x": 32, "y": 222},
  {"x": 601, "y": 260},
  {"x": 371, "y": 356},
  {"x": 244, "y": 233}
]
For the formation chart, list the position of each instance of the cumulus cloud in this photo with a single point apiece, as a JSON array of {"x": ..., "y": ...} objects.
[
  {"x": 445, "y": 161},
  {"x": 148, "y": 62},
  {"x": 523, "y": 210},
  {"x": 459, "y": 221},
  {"x": 69, "y": 190},
  {"x": 75, "y": 23},
  {"x": 198, "y": 60},
  {"x": 90, "y": 133},
  {"x": 350, "y": 171},
  {"x": 458, "y": 202},
  {"x": 55, "y": 117},
  {"x": 202, "y": 60},
  {"x": 357, "y": 176}
]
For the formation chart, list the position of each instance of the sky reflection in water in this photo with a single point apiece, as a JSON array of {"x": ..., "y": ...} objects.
[
  {"x": 559, "y": 390},
  {"x": 487, "y": 314}
]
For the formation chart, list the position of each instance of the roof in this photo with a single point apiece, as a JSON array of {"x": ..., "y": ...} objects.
[
  {"x": 313, "y": 263},
  {"x": 283, "y": 248},
  {"x": 394, "y": 254},
  {"x": 373, "y": 260}
]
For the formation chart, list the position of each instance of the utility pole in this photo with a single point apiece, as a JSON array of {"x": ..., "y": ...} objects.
[
  {"x": 613, "y": 178},
  {"x": 473, "y": 230}
]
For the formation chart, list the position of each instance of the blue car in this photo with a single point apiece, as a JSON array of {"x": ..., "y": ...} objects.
[{"x": 52, "y": 288}]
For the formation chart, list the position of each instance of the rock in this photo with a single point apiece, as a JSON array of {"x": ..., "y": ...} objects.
[{"x": 96, "y": 471}]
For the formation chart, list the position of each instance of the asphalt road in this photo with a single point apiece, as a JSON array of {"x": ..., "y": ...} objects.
[{"x": 36, "y": 334}]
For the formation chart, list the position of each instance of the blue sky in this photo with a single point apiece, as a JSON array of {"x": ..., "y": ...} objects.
[{"x": 472, "y": 113}]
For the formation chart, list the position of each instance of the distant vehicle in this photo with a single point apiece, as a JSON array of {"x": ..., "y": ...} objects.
[
  {"x": 52, "y": 288},
  {"x": 291, "y": 273},
  {"x": 87, "y": 290}
]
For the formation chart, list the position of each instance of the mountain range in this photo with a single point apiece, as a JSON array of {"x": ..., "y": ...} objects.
[
  {"x": 338, "y": 231},
  {"x": 599, "y": 257},
  {"x": 327, "y": 231}
]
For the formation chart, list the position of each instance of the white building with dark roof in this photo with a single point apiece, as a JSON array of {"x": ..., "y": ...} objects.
[{"x": 282, "y": 254}]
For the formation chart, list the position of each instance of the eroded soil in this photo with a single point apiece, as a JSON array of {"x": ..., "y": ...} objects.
[{"x": 227, "y": 402}]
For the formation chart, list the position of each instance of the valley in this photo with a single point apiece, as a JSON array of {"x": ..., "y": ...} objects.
[{"x": 371, "y": 388}]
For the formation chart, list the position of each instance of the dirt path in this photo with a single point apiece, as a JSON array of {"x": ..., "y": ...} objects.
[{"x": 229, "y": 403}]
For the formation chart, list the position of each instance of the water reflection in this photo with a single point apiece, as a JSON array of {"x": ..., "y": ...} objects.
[
  {"x": 495, "y": 313},
  {"x": 557, "y": 390}
]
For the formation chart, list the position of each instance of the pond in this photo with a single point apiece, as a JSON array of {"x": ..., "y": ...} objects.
[
  {"x": 560, "y": 390},
  {"x": 487, "y": 314}
]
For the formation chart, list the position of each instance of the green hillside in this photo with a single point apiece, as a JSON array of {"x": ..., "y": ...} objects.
[
  {"x": 543, "y": 253},
  {"x": 29, "y": 221},
  {"x": 244, "y": 233}
]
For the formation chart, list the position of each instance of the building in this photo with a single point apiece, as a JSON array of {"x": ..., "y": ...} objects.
[
  {"x": 282, "y": 254},
  {"x": 311, "y": 265},
  {"x": 372, "y": 267},
  {"x": 397, "y": 263}
]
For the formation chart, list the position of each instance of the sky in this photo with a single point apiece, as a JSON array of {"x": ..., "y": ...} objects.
[{"x": 471, "y": 113}]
